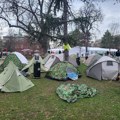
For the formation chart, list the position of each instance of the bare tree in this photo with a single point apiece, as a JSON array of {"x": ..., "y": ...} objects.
[
  {"x": 88, "y": 19},
  {"x": 115, "y": 31},
  {"x": 36, "y": 17},
  {"x": 114, "y": 28},
  {"x": 32, "y": 16}
]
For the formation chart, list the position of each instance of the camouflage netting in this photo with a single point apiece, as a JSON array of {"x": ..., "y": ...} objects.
[
  {"x": 14, "y": 59},
  {"x": 58, "y": 71},
  {"x": 73, "y": 92}
]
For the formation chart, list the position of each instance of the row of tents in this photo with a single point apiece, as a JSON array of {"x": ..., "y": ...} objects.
[
  {"x": 22, "y": 63},
  {"x": 55, "y": 67},
  {"x": 12, "y": 79},
  {"x": 99, "y": 67}
]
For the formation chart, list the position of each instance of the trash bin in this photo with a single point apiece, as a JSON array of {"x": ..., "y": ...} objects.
[{"x": 37, "y": 69}]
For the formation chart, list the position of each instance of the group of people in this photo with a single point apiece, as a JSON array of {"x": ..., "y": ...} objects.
[{"x": 113, "y": 54}]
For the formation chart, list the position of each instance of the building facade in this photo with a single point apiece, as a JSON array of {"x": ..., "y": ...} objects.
[{"x": 23, "y": 45}]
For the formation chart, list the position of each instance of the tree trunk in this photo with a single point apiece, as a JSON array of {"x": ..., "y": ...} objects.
[
  {"x": 45, "y": 44},
  {"x": 86, "y": 52},
  {"x": 65, "y": 19},
  {"x": 66, "y": 52},
  {"x": 86, "y": 46}
]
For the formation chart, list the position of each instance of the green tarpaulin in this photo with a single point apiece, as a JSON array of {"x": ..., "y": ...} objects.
[{"x": 73, "y": 92}]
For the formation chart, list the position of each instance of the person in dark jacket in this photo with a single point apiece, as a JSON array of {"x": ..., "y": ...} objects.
[
  {"x": 78, "y": 59},
  {"x": 1, "y": 54},
  {"x": 118, "y": 55}
]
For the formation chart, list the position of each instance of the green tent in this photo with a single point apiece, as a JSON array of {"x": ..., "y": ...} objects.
[
  {"x": 29, "y": 67},
  {"x": 59, "y": 70},
  {"x": 17, "y": 58},
  {"x": 11, "y": 80}
]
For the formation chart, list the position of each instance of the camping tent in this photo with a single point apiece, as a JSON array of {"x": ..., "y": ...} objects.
[
  {"x": 106, "y": 68},
  {"x": 18, "y": 59},
  {"x": 11, "y": 80},
  {"x": 29, "y": 67},
  {"x": 72, "y": 61},
  {"x": 59, "y": 56},
  {"x": 60, "y": 69},
  {"x": 74, "y": 56},
  {"x": 92, "y": 59},
  {"x": 52, "y": 59}
]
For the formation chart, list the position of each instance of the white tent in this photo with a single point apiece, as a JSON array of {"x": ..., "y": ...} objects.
[
  {"x": 106, "y": 68},
  {"x": 50, "y": 61},
  {"x": 21, "y": 57},
  {"x": 92, "y": 59}
]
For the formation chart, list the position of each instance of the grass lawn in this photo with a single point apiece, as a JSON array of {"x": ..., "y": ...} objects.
[{"x": 42, "y": 103}]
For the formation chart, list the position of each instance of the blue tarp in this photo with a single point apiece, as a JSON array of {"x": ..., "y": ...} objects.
[{"x": 72, "y": 75}]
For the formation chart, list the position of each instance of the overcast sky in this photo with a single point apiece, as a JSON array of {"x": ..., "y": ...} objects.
[
  {"x": 110, "y": 10},
  {"x": 111, "y": 13}
]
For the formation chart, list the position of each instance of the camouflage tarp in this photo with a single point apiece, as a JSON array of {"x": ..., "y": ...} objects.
[
  {"x": 73, "y": 92},
  {"x": 59, "y": 70}
]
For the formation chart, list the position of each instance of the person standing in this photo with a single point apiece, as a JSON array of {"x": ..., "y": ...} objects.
[
  {"x": 118, "y": 55},
  {"x": 78, "y": 59},
  {"x": 1, "y": 54},
  {"x": 66, "y": 51}
]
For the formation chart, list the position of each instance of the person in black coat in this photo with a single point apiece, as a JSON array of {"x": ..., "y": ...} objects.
[
  {"x": 78, "y": 59},
  {"x": 1, "y": 54},
  {"x": 118, "y": 55}
]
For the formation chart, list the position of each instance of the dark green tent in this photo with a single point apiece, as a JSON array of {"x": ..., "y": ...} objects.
[{"x": 59, "y": 70}]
